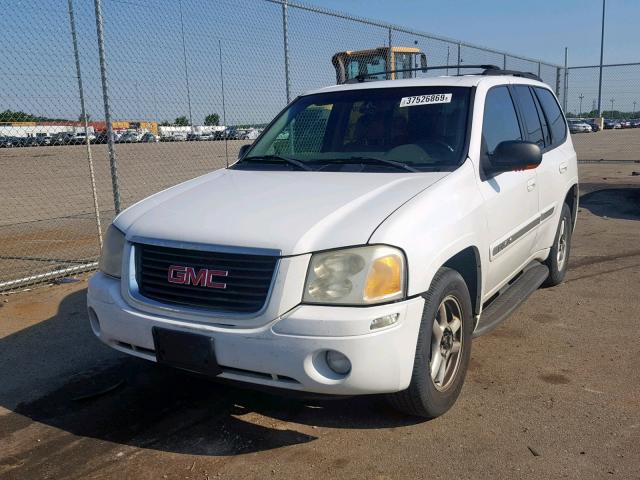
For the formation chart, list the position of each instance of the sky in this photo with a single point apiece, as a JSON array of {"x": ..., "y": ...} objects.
[
  {"x": 148, "y": 67},
  {"x": 539, "y": 29}
]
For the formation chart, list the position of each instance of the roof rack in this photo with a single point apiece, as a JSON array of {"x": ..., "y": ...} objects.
[
  {"x": 486, "y": 70},
  {"x": 513, "y": 73}
]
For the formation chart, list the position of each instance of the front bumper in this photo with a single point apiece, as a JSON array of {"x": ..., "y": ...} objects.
[{"x": 287, "y": 352}]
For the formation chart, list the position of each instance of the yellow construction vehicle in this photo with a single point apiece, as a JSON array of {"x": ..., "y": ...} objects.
[{"x": 378, "y": 63}]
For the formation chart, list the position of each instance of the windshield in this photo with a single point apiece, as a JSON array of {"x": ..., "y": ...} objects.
[{"x": 424, "y": 128}]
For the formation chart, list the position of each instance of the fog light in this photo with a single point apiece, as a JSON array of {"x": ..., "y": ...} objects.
[
  {"x": 385, "y": 321},
  {"x": 338, "y": 362}
]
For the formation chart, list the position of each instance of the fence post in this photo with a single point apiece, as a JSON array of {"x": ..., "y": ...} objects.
[
  {"x": 459, "y": 59},
  {"x": 504, "y": 61},
  {"x": 186, "y": 67},
  {"x": 539, "y": 70},
  {"x": 566, "y": 78},
  {"x": 285, "y": 33},
  {"x": 390, "y": 45},
  {"x": 107, "y": 114},
  {"x": 83, "y": 113},
  {"x": 224, "y": 108}
]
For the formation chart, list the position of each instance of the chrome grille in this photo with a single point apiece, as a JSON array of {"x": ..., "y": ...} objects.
[{"x": 246, "y": 284}]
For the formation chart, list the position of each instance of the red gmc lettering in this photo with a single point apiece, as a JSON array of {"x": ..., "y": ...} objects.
[{"x": 187, "y": 276}]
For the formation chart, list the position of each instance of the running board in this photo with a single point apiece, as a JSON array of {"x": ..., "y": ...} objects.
[{"x": 511, "y": 298}]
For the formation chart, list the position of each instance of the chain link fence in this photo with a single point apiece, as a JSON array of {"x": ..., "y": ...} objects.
[
  {"x": 617, "y": 138},
  {"x": 164, "y": 91}
]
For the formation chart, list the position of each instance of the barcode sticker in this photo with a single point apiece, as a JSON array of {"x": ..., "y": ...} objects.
[{"x": 425, "y": 99}]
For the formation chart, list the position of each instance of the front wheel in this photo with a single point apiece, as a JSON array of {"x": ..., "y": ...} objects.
[
  {"x": 558, "y": 259},
  {"x": 443, "y": 349}
]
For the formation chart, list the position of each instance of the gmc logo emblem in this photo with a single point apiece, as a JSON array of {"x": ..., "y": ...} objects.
[{"x": 204, "y": 277}]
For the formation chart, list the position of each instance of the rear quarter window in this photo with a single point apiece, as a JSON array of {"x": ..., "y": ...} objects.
[
  {"x": 555, "y": 118},
  {"x": 532, "y": 124}
]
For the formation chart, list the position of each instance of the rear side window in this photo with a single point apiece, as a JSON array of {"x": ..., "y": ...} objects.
[
  {"x": 533, "y": 127},
  {"x": 500, "y": 122},
  {"x": 545, "y": 127},
  {"x": 553, "y": 113}
]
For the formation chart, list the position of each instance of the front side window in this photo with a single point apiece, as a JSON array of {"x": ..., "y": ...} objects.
[
  {"x": 500, "y": 122},
  {"x": 422, "y": 127}
]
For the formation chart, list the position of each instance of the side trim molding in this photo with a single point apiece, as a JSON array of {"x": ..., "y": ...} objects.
[{"x": 514, "y": 237}]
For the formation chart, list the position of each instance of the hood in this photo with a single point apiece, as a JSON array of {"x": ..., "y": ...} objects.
[{"x": 293, "y": 212}]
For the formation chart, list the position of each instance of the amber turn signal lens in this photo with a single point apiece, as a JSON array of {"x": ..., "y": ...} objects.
[{"x": 385, "y": 278}]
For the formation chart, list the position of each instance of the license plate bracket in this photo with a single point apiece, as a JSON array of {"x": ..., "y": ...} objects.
[{"x": 186, "y": 350}]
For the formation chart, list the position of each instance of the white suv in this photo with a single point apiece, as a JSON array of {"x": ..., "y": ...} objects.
[{"x": 357, "y": 247}]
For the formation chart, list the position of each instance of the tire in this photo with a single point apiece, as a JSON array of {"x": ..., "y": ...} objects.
[
  {"x": 558, "y": 258},
  {"x": 428, "y": 397}
]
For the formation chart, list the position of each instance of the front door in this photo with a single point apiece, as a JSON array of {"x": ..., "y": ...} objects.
[{"x": 511, "y": 198}]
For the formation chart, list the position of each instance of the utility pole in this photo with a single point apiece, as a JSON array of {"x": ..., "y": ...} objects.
[
  {"x": 634, "y": 109},
  {"x": 581, "y": 96},
  {"x": 601, "y": 59},
  {"x": 612, "y": 100}
]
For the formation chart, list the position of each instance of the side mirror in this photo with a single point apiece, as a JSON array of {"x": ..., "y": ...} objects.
[
  {"x": 515, "y": 155},
  {"x": 243, "y": 150},
  {"x": 423, "y": 62}
]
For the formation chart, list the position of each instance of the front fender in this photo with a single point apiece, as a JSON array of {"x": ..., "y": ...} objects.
[{"x": 437, "y": 224}]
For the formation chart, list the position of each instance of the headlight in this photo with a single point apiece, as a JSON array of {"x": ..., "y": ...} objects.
[
  {"x": 356, "y": 276},
  {"x": 111, "y": 256}
]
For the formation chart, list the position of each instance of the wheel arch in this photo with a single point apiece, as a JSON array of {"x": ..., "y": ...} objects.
[
  {"x": 571, "y": 199},
  {"x": 468, "y": 264}
]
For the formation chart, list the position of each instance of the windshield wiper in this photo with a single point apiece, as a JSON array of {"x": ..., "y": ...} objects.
[
  {"x": 277, "y": 159},
  {"x": 371, "y": 160}
]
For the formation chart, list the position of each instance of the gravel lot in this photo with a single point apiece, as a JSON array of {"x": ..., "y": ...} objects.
[{"x": 552, "y": 393}]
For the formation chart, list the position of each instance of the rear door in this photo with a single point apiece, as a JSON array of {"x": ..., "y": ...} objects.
[
  {"x": 554, "y": 169},
  {"x": 511, "y": 198}
]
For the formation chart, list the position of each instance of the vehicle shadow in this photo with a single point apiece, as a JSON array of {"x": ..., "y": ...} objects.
[
  {"x": 619, "y": 203},
  {"x": 116, "y": 398}
]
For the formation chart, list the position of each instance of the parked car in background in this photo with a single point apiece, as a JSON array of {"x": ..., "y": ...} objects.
[
  {"x": 148, "y": 138},
  {"x": 193, "y": 137},
  {"x": 578, "y": 126},
  {"x": 250, "y": 134},
  {"x": 38, "y": 141},
  {"x": 61, "y": 138},
  {"x": 232, "y": 134},
  {"x": 101, "y": 137},
  {"x": 6, "y": 142},
  {"x": 594, "y": 124},
  {"x": 206, "y": 137},
  {"x": 609, "y": 124},
  {"x": 129, "y": 137},
  {"x": 635, "y": 123},
  {"x": 625, "y": 123},
  {"x": 79, "y": 138},
  {"x": 180, "y": 137}
]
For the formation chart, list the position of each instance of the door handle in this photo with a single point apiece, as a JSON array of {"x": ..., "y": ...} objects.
[
  {"x": 563, "y": 167},
  {"x": 531, "y": 184}
]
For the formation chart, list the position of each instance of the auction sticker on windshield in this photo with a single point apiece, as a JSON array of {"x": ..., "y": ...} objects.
[{"x": 425, "y": 99}]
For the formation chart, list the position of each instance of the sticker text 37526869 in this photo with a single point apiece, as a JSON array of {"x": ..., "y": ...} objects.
[{"x": 425, "y": 99}]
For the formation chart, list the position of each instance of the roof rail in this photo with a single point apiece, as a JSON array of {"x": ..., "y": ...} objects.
[
  {"x": 513, "y": 73},
  {"x": 486, "y": 70}
]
